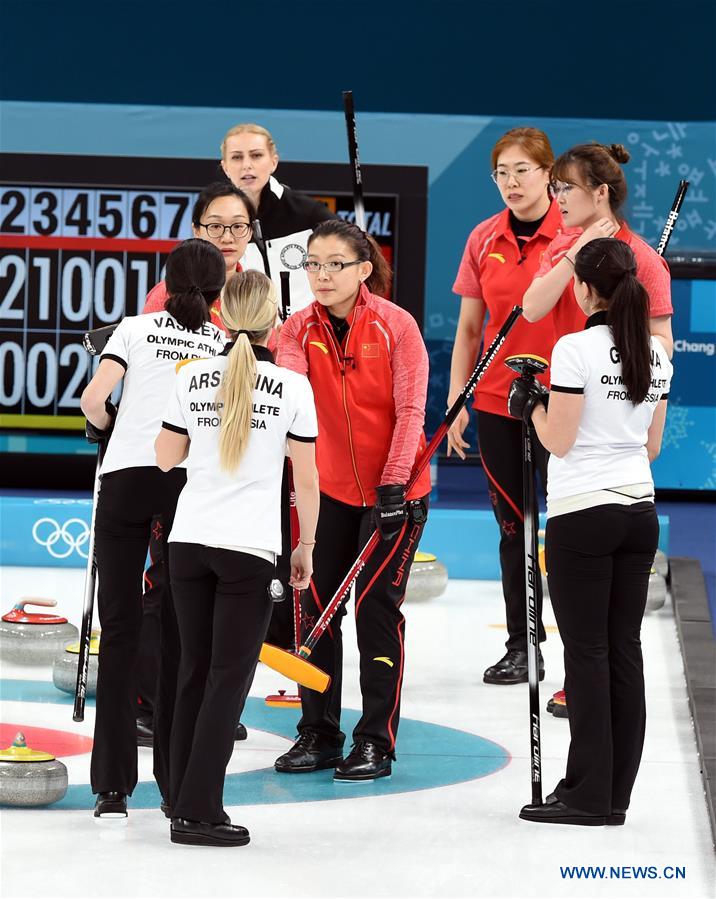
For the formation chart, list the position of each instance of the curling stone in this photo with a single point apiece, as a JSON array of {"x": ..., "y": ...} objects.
[
  {"x": 34, "y": 638},
  {"x": 64, "y": 671},
  {"x": 428, "y": 578},
  {"x": 557, "y": 705},
  {"x": 656, "y": 597},
  {"x": 29, "y": 777},
  {"x": 661, "y": 563},
  {"x": 284, "y": 700}
]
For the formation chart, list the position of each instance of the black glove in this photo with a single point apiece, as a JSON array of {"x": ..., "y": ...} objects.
[
  {"x": 524, "y": 395},
  {"x": 95, "y": 434},
  {"x": 391, "y": 510}
]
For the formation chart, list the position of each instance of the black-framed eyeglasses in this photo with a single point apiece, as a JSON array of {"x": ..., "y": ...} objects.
[
  {"x": 216, "y": 230},
  {"x": 502, "y": 176},
  {"x": 330, "y": 268}
]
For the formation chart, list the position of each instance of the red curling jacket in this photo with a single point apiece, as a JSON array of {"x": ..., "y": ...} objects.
[{"x": 370, "y": 395}]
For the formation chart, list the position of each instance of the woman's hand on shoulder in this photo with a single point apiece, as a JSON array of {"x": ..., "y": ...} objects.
[{"x": 603, "y": 228}]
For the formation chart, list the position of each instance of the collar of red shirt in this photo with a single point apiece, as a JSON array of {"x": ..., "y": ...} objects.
[
  {"x": 551, "y": 224},
  {"x": 363, "y": 295}
]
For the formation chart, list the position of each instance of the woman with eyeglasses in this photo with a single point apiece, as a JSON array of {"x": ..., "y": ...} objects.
[
  {"x": 590, "y": 188},
  {"x": 223, "y": 216},
  {"x": 142, "y": 352},
  {"x": 604, "y": 425},
  {"x": 500, "y": 259},
  {"x": 249, "y": 157},
  {"x": 368, "y": 366}
]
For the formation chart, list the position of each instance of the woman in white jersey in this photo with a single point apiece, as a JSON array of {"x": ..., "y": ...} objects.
[
  {"x": 231, "y": 418},
  {"x": 143, "y": 351},
  {"x": 604, "y": 426}
]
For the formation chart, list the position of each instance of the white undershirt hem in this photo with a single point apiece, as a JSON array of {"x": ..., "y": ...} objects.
[{"x": 625, "y": 495}]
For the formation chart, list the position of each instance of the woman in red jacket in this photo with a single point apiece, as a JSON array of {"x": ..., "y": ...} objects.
[
  {"x": 368, "y": 366},
  {"x": 500, "y": 259}
]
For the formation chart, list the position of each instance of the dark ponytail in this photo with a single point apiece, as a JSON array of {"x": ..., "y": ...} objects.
[
  {"x": 365, "y": 248},
  {"x": 195, "y": 276},
  {"x": 608, "y": 266}
]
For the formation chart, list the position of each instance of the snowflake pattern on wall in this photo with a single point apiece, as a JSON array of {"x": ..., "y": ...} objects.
[
  {"x": 710, "y": 449},
  {"x": 663, "y": 155},
  {"x": 678, "y": 425}
]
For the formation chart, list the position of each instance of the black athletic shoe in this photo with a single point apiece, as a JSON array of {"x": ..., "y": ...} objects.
[
  {"x": 198, "y": 833},
  {"x": 310, "y": 752},
  {"x": 111, "y": 805},
  {"x": 366, "y": 761},
  {"x": 511, "y": 669},
  {"x": 555, "y": 812},
  {"x": 145, "y": 732},
  {"x": 240, "y": 732}
]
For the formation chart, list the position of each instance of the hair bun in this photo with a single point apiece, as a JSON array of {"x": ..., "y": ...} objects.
[{"x": 619, "y": 152}]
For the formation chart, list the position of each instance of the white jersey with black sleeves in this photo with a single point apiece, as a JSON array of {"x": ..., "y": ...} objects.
[
  {"x": 610, "y": 449},
  {"x": 149, "y": 347},
  {"x": 240, "y": 508}
]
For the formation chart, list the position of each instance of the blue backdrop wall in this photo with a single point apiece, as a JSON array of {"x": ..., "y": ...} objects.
[{"x": 455, "y": 149}]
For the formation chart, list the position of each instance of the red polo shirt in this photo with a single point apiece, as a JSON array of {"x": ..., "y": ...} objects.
[
  {"x": 495, "y": 271},
  {"x": 651, "y": 269}
]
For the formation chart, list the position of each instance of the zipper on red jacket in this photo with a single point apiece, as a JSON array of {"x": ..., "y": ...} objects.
[{"x": 341, "y": 359}]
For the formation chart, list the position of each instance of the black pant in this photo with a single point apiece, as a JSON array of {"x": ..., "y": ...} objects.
[
  {"x": 280, "y": 631},
  {"x": 154, "y": 579},
  {"x": 380, "y": 588},
  {"x": 500, "y": 441},
  {"x": 599, "y": 561},
  {"x": 222, "y": 609},
  {"x": 128, "y": 501}
]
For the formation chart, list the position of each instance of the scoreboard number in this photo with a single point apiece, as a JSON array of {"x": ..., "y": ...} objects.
[
  {"x": 73, "y": 258},
  {"x": 88, "y": 212}
]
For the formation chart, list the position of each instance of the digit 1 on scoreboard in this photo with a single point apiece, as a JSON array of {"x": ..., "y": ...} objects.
[
  {"x": 42, "y": 288},
  {"x": 141, "y": 277}
]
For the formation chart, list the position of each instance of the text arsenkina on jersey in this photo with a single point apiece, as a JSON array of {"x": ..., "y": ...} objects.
[{"x": 213, "y": 379}]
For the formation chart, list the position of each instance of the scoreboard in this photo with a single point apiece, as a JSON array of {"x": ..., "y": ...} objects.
[
  {"x": 84, "y": 239},
  {"x": 72, "y": 259}
]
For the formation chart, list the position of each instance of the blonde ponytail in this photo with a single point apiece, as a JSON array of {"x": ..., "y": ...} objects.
[{"x": 248, "y": 309}]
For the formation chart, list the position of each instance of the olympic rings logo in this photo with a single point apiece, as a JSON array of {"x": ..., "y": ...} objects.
[{"x": 72, "y": 536}]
